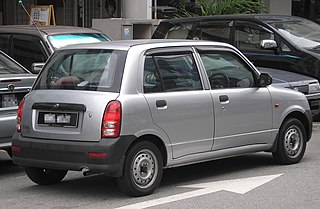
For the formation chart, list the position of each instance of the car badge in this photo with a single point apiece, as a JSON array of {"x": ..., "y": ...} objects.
[
  {"x": 55, "y": 106},
  {"x": 11, "y": 87}
]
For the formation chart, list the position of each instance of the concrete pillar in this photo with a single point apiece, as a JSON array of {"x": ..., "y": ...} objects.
[
  {"x": 279, "y": 7},
  {"x": 137, "y": 9}
]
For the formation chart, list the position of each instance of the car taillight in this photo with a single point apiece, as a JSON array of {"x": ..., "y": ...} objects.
[
  {"x": 19, "y": 116},
  {"x": 111, "y": 120}
]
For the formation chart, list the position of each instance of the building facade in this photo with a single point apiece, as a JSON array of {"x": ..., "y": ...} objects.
[{"x": 82, "y": 12}]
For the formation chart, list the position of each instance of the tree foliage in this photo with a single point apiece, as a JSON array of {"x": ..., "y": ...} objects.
[{"x": 219, "y": 7}]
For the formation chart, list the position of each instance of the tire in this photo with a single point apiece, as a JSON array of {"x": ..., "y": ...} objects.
[
  {"x": 43, "y": 176},
  {"x": 291, "y": 143},
  {"x": 142, "y": 170}
]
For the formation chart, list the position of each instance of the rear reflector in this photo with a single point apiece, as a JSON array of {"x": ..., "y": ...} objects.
[
  {"x": 97, "y": 155},
  {"x": 16, "y": 149}
]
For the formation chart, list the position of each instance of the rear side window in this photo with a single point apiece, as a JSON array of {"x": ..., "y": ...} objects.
[
  {"x": 179, "y": 31},
  {"x": 214, "y": 31},
  {"x": 168, "y": 73},
  {"x": 7, "y": 66},
  {"x": 4, "y": 43},
  {"x": 28, "y": 50},
  {"x": 91, "y": 70}
]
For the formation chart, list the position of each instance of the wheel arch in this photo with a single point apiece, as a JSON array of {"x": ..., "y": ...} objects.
[
  {"x": 304, "y": 120},
  {"x": 156, "y": 141},
  {"x": 303, "y": 117}
]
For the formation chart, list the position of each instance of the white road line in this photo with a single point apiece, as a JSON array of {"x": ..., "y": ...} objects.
[{"x": 240, "y": 186}]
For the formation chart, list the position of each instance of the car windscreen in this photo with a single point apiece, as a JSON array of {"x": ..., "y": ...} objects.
[
  {"x": 304, "y": 33},
  {"x": 7, "y": 66},
  {"x": 83, "y": 69},
  {"x": 58, "y": 41}
]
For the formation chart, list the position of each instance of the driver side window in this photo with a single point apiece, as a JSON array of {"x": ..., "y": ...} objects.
[{"x": 225, "y": 70}]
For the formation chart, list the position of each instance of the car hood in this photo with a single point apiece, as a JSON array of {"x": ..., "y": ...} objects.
[{"x": 287, "y": 79}]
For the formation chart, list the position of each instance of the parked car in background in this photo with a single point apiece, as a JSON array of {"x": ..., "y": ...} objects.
[
  {"x": 273, "y": 41},
  {"x": 307, "y": 85},
  {"x": 129, "y": 109},
  {"x": 32, "y": 47},
  {"x": 15, "y": 82}
]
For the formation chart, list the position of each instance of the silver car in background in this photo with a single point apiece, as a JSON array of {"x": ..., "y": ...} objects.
[
  {"x": 15, "y": 82},
  {"x": 128, "y": 109}
]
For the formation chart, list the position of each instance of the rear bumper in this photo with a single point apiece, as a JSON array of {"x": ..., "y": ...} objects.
[
  {"x": 314, "y": 103},
  {"x": 71, "y": 155}
]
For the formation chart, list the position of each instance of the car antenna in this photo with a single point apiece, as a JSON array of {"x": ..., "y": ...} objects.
[{"x": 32, "y": 20}]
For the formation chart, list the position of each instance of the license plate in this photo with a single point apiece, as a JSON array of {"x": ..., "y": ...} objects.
[
  {"x": 58, "y": 119},
  {"x": 65, "y": 119},
  {"x": 9, "y": 100}
]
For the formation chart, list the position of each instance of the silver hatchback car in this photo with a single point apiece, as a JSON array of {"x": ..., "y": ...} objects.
[{"x": 129, "y": 109}]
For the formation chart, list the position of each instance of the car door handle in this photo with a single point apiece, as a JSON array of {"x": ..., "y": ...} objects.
[
  {"x": 161, "y": 104},
  {"x": 224, "y": 99}
]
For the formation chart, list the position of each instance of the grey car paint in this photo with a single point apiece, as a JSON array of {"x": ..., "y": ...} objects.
[
  {"x": 190, "y": 127},
  {"x": 242, "y": 116},
  {"x": 21, "y": 82},
  {"x": 297, "y": 82}
]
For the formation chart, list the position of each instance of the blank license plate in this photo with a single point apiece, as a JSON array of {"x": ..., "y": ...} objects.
[
  {"x": 58, "y": 119},
  {"x": 9, "y": 100}
]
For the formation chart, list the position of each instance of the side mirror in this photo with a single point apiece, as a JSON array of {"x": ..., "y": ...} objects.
[
  {"x": 268, "y": 44},
  {"x": 36, "y": 67},
  {"x": 265, "y": 80}
]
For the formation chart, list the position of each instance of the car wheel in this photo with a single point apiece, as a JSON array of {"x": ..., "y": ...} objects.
[
  {"x": 291, "y": 143},
  {"x": 142, "y": 170},
  {"x": 45, "y": 176}
]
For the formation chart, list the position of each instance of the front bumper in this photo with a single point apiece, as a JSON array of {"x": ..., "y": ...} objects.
[
  {"x": 314, "y": 103},
  {"x": 71, "y": 155}
]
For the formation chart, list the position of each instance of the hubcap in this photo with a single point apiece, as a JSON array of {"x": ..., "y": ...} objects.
[
  {"x": 293, "y": 141},
  {"x": 145, "y": 168}
]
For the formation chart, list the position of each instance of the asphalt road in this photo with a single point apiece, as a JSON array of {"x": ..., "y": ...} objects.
[{"x": 294, "y": 186}]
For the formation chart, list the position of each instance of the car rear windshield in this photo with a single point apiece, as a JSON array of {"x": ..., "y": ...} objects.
[
  {"x": 58, "y": 41},
  {"x": 83, "y": 69},
  {"x": 9, "y": 67}
]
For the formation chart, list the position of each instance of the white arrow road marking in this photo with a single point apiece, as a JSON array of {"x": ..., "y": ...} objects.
[{"x": 240, "y": 186}]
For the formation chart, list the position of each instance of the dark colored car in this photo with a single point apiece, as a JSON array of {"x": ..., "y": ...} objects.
[
  {"x": 281, "y": 42},
  {"x": 31, "y": 47},
  {"x": 302, "y": 83},
  {"x": 15, "y": 82}
]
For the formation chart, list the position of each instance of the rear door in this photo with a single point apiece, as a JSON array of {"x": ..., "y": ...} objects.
[
  {"x": 177, "y": 101},
  {"x": 243, "y": 111}
]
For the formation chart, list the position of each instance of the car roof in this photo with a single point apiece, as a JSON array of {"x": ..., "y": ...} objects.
[
  {"x": 251, "y": 17},
  {"x": 49, "y": 30},
  {"x": 126, "y": 44}
]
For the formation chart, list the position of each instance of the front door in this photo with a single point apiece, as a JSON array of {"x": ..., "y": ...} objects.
[
  {"x": 243, "y": 114},
  {"x": 247, "y": 38}
]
